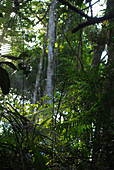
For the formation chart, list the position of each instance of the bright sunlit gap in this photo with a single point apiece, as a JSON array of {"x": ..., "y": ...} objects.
[{"x": 98, "y": 9}]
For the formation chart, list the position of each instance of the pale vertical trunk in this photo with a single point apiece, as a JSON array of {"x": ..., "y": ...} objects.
[
  {"x": 37, "y": 84},
  {"x": 50, "y": 69}
]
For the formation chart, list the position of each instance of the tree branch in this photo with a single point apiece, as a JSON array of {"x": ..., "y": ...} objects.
[
  {"x": 90, "y": 5},
  {"x": 74, "y": 8},
  {"x": 40, "y": 19},
  {"x": 92, "y": 21}
]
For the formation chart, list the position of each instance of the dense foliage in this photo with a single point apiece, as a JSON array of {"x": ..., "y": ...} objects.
[{"x": 72, "y": 127}]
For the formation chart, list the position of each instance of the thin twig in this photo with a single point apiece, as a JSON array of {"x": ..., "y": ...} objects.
[{"x": 75, "y": 9}]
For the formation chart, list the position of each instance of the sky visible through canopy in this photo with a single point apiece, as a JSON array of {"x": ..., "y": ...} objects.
[{"x": 98, "y": 9}]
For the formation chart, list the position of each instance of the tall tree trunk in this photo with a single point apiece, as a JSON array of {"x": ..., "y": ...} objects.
[
  {"x": 108, "y": 137},
  {"x": 39, "y": 69},
  {"x": 50, "y": 69},
  {"x": 110, "y": 6}
]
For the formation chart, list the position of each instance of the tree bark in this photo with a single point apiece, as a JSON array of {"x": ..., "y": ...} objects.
[
  {"x": 39, "y": 69},
  {"x": 97, "y": 57},
  {"x": 110, "y": 7},
  {"x": 98, "y": 49},
  {"x": 50, "y": 69}
]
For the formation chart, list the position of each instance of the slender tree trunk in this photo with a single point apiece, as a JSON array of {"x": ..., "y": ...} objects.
[
  {"x": 79, "y": 58},
  {"x": 50, "y": 69},
  {"x": 37, "y": 84}
]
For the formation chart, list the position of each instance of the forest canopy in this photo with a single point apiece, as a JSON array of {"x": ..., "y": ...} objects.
[{"x": 56, "y": 85}]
